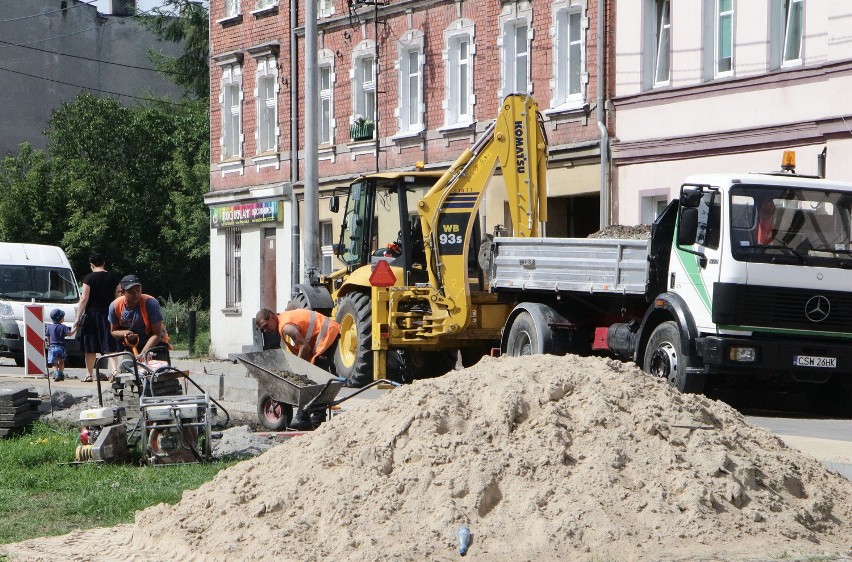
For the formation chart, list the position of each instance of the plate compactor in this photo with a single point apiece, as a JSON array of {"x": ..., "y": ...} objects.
[{"x": 171, "y": 427}]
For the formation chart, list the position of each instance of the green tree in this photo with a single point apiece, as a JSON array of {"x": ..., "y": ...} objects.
[
  {"x": 185, "y": 22},
  {"x": 32, "y": 206},
  {"x": 133, "y": 183}
]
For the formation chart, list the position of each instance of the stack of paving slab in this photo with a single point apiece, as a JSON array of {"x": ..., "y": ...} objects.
[{"x": 18, "y": 410}]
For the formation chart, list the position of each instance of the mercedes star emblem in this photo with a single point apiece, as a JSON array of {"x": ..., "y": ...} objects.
[{"x": 817, "y": 308}]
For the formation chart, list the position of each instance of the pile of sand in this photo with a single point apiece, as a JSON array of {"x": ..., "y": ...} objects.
[{"x": 545, "y": 458}]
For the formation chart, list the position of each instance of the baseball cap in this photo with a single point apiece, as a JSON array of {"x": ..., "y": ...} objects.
[
  {"x": 57, "y": 314},
  {"x": 130, "y": 281}
]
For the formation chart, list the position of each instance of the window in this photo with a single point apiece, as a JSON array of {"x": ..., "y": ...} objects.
[
  {"x": 326, "y": 113},
  {"x": 232, "y": 8},
  {"x": 267, "y": 106},
  {"x": 569, "y": 64},
  {"x": 410, "y": 108},
  {"x": 233, "y": 271},
  {"x": 652, "y": 206},
  {"x": 662, "y": 71},
  {"x": 365, "y": 87},
  {"x": 724, "y": 38},
  {"x": 458, "y": 59},
  {"x": 265, "y": 4},
  {"x": 326, "y": 8},
  {"x": 326, "y": 246},
  {"x": 516, "y": 57},
  {"x": 794, "y": 16},
  {"x": 231, "y": 105}
]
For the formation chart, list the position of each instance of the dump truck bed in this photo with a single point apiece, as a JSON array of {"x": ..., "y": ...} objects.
[{"x": 590, "y": 265}]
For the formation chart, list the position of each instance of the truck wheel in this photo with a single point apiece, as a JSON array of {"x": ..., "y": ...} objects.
[
  {"x": 353, "y": 359},
  {"x": 273, "y": 415},
  {"x": 19, "y": 360},
  {"x": 523, "y": 337},
  {"x": 664, "y": 358},
  {"x": 531, "y": 332}
]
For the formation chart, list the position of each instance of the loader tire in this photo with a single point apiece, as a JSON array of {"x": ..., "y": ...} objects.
[
  {"x": 273, "y": 415},
  {"x": 353, "y": 358},
  {"x": 666, "y": 359}
]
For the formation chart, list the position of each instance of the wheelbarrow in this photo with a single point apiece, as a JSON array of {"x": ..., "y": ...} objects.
[{"x": 285, "y": 381}]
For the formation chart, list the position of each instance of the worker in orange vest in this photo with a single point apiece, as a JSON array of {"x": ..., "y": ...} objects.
[{"x": 307, "y": 333}]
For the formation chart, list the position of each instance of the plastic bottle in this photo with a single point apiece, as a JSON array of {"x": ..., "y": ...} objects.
[{"x": 464, "y": 539}]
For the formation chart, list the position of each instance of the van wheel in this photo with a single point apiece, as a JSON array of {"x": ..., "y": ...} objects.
[
  {"x": 273, "y": 415},
  {"x": 665, "y": 359},
  {"x": 353, "y": 358},
  {"x": 19, "y": 360}
]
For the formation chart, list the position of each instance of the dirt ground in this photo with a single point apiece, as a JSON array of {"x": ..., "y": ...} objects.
[{"x": 544, "y": 458}]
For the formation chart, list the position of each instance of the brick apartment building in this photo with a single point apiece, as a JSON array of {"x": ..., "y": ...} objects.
[{"x": 437, "y": 76}]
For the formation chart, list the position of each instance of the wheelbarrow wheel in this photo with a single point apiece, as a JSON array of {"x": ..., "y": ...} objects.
[
  {"x": 353, "y": 358},
  {"x": 273, "y": 415}
]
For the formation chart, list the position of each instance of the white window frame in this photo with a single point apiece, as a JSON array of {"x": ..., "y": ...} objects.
[
  {"x": 459, "y": 98},
  {"x": 569, "y": 55},
  {"x": 233, "y": 268},
  {"x": 267, "y": 132},
  {"x": 515, "y": 50},
  {"x": 652, "y": 202},
  {"x": 363, "y": 86},
  {"x": 231, "y": 103},
  {"x": 409, "y": 66},
  {"x": 325, "y": 8},
  {"x": 723, "y": 18},
  {"x": 791, "y": 37},
  {"x": 261, "y": 5},
  {"x": 326, "y": 93},
  {"x": 231, "y": 8},
  {"x": 662, "y": 43}
]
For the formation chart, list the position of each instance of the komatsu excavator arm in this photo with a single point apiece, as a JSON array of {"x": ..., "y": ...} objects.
[{"x": 517, "y": 141}]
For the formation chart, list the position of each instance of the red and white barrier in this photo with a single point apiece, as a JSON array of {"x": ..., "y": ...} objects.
[{"x": 34, "y": 352}]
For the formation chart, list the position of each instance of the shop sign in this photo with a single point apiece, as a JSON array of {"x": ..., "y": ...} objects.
[{"x": 249, "y": 213}]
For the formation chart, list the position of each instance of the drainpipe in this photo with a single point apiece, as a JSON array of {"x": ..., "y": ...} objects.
[
  {"x": 295, "y": 242},
  {"x": 604, "y": 217}
]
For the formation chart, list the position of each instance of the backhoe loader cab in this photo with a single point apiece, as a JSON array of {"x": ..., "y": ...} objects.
[{"x": 380, "y": 221}]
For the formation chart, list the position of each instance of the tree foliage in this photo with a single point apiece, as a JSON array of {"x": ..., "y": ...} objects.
[
  {"x": 186, "y": 22},
  {"x": 128, "y": 182}
]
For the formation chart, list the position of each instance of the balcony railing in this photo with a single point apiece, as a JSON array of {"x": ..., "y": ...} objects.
[{"x": 361, "y": 130}]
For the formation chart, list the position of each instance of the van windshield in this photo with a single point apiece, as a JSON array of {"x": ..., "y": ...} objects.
[{"x": 40, "y": 284}]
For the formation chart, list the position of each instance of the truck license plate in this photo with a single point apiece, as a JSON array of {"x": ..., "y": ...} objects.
[{"x": 810, "y": 361}]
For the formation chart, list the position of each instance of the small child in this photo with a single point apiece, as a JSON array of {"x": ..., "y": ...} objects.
[{"x": 56, "y": 334}]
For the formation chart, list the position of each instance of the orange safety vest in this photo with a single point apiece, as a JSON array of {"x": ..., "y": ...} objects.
[
  {"x": 318, "y": 329},
  {"x": 118, "y": 305}
]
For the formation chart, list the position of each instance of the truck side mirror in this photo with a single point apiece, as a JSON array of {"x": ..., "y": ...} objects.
[
  {"x": 690, "y": 197},
  {"x": 688, "y": 226},
  {"x": 334, "y": 204}
]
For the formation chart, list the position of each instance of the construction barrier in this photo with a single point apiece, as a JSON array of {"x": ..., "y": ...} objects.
[{"x": 34, "y": 352}]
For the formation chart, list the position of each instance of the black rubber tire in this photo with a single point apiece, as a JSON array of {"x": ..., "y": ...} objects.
[
  {"x": 832, "y": 399},
  {"x": 19, "y": 360},
  {"x": 273, "y": 415},
  {"x": 353, "y": 358},
  {"x": 420, "y": 364},
  {"x": 302, "y": 301},
  {"x": 523, "y": 337},
  {"x": 665, "y": 359}
]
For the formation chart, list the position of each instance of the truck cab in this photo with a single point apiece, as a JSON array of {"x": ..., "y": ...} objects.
[{"x": 764, "y": 264}]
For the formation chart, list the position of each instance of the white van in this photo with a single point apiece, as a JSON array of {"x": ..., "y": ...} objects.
[{"x": 32, "y": 273}]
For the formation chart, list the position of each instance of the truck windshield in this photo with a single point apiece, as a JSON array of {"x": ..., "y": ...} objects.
[
  {"x": 791, "y": 225},
  {"x": 40, "y": 284}
]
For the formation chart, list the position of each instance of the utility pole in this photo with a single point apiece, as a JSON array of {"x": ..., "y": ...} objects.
[{"x": 311, "y": 231}]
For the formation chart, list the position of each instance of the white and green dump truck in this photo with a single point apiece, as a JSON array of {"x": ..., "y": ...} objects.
[{"x": 746, "y": 279}]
